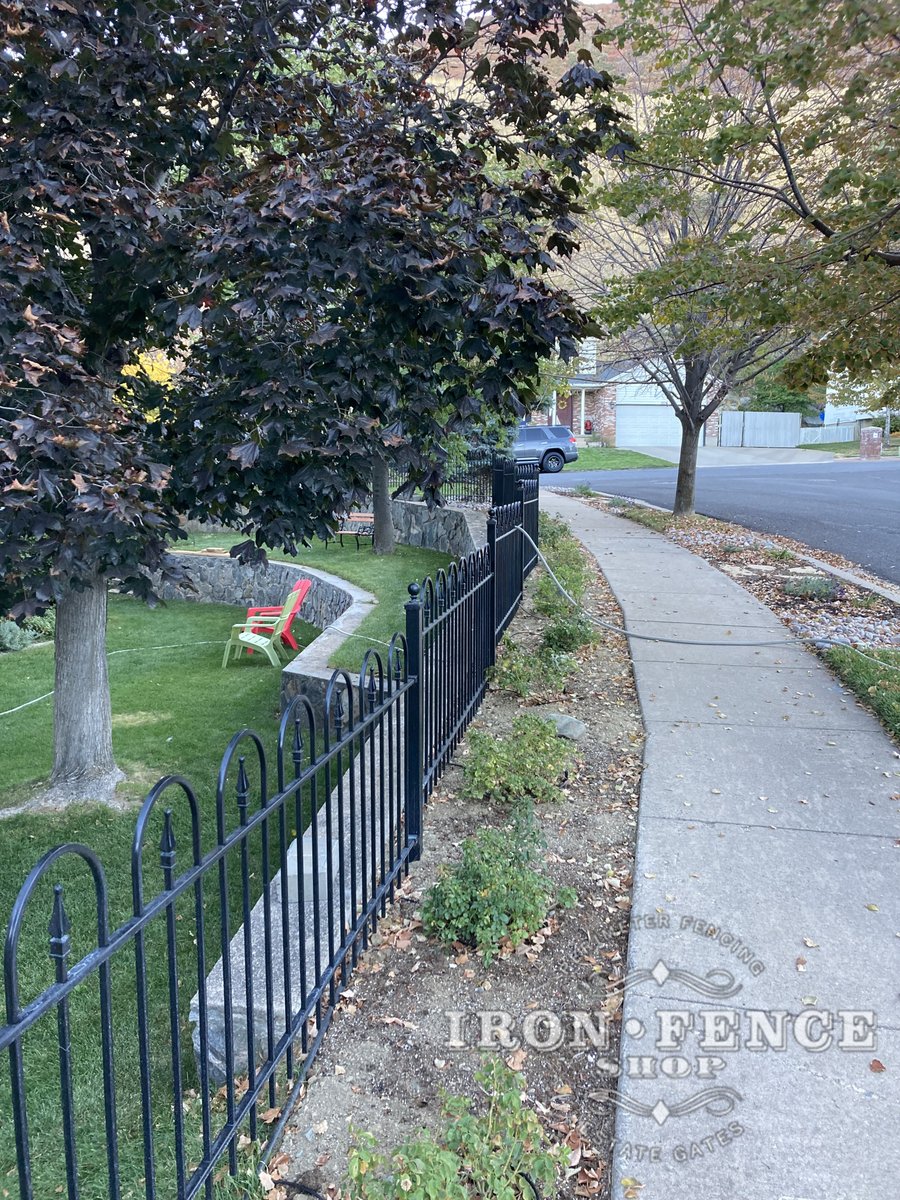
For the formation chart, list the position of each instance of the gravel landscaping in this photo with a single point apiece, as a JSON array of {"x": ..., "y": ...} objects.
[{"x": 851, "y": 616}]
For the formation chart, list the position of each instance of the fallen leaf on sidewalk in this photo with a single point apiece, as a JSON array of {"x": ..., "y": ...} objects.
[
  {"x": 398, "y": 1021},
  {"x": 877, "y": 1066}
]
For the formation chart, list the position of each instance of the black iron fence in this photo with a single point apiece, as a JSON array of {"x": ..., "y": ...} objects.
[
  {"x": 257, "y": 916},
  {"x": 465, "y": 483}
]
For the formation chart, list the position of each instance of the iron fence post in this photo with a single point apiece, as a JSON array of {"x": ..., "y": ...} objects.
[
  {"x": 496, "y": 480},
  {"x": 520, "y": 540},
  {"x": 491, "y": 632},
  {"x": 415, "y": 715}
]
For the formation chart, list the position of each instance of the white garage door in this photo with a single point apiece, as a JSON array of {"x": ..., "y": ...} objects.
[{"x": 647, "y": 425}]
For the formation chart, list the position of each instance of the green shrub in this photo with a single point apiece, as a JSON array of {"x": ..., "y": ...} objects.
[
  {"x": 779, "y": 553},
  {"x": 525, "y": 671},
  {"x": 420, "y": 1169},
  {"x": 43, "y": 626},
  {"x": 504, "y": 1144},
  {"x": 568, "y": 565},
  {"x": 486, "y": 1154},
  {"x": 812, "y": 587},
  {"x": 564, "y": 634},
  {"x": 495, "y": 892},
  {"x": 526, "y": 765},
  {"x": 551, "y": 533},
  {"x": 14, "y": 637}
]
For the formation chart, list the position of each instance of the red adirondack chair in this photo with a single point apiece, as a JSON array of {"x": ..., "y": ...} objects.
[{"x": 300, "y": 589}]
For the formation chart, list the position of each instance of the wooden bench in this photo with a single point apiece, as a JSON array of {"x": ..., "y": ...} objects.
[{"x": 357, "y": 525}]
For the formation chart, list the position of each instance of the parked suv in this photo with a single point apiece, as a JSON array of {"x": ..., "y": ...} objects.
[{"x": 552, "y": 445}]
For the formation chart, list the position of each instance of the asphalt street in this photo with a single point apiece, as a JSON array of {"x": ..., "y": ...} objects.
[{"x": 849, "y": 508}]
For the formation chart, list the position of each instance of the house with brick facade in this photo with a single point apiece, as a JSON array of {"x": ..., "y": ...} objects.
[{"x": 620, "y": 404}]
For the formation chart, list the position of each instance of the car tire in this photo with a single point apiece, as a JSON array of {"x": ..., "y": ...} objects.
[{"x": 553, "y": 462}]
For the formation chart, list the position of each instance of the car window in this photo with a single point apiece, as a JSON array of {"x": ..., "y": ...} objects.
[{"x": 531, "y": 436}]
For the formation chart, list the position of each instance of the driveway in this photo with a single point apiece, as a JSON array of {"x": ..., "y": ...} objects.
[{"x": 849, "y": 508}]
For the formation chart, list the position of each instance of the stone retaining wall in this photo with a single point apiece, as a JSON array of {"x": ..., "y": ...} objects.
[
  {"x": 219, "y": 579},
  {"x": 223, "y": 580},
  {"x": 454, "y": 531}
]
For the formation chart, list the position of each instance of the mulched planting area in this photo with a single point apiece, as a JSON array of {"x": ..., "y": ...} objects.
[{"x": 394, "y": 1047}]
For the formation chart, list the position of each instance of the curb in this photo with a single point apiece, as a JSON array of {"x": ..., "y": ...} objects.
[{"x": 883, "y": 590}]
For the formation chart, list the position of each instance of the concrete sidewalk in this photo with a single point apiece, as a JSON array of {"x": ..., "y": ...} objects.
[{"x": 766, "y": 887}]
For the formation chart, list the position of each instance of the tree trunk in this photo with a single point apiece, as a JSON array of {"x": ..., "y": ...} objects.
[
  {"x": 83, "y": 760},
  {"x": 687, "y": 469},
  {"x": 384, "y": 539}
]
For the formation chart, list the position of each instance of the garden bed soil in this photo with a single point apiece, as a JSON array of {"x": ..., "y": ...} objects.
[{"x": 388, "y": 1056}]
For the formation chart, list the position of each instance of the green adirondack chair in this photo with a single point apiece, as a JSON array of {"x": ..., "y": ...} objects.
[{"x": 263, "y": 634}]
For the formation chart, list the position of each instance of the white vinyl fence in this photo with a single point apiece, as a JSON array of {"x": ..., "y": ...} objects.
[
  {"x": 759, "y": 429},
  {"x": 847, "y": 431}
]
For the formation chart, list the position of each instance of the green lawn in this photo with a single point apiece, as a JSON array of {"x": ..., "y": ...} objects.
[
  {"x": 174, "y": 710},
  {"x": 877, "y": 685},
  {"x": 851, "y": 449},
  {"x": 170, "y": 710},
  {"x": 386, "y": 577},
  {"x": 171, "y": 713},
  {"x": 603, "y": 458}
]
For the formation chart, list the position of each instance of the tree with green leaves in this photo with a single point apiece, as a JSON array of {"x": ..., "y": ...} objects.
[
  {"x": 770, "y": 393},
  {"x": 664, "y": 259},
  {"x": 328, "y": 213},
  {"x": 804, "y": 96}
]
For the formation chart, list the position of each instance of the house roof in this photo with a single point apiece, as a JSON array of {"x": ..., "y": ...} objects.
[{"x": 604, "y": 373}]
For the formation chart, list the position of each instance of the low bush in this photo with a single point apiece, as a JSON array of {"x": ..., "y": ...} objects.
[
  {"x": 551, "y": 532},
  {"x": 525, "y": 671},
  {"x": 43, "y": 626},
  {"x": 495, "y": 895},
  {"x": 526, "y": 765},
  {"x": 812, "y": 587},
  {"x": 867, "y": 600},
  {"x": 568, "y": 565},
  {"x": 565, "y": 634},
  {"x": 14, "y": 637},
  {"x": 490, "y": 1154}
]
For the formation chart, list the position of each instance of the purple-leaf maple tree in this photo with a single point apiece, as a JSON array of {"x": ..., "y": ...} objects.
[{"x": 341, "y": 220}]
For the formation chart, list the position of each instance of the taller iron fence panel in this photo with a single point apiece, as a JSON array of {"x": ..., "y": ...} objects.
[
  {"x": 457, "y": 649},
  {"x": 505, "y": 543},
  {"x": 503, "y": 484},
  {"x": 468, "y": 483},
  {"x": 283, "y": 891},
  {"x": 529, "y": 481}
]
